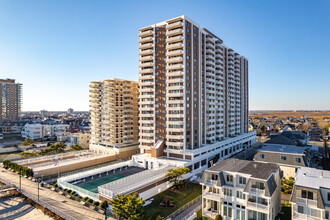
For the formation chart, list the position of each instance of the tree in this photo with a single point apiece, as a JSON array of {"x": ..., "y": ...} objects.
[
  {"x": 287, "y": 185},
  {"x": 76, "y": 147},
  {"x": 57, "y": 148},
  {"x": 27, "y": 142},
  {"x": 175, "y": 175},
  {"x": 128, "y": 206}
]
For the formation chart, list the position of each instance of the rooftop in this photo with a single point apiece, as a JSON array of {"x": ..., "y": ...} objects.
[
  {"x": 288, "y": 149},
  {"x": 257, "y": 170},
  {"x": 313, "y": 178}
]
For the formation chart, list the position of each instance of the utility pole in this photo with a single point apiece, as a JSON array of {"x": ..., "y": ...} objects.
[
  {"x": 20, "y": 177},
  {"x": 38, "y": 180}
]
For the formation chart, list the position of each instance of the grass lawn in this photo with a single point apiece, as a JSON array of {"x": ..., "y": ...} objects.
[{"x": 180, "y": 198}]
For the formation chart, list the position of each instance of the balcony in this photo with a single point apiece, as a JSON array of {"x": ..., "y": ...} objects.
[
  {"x": 174, "y": 60},
  {"x": 146, "y": 39},
  {"x": 174, "y": 46},
  {"x": 174, "y": 53},
  {"x": 146, "y": 58},
  {"x": 306, "y": 201},
  {"x": 146, "y": 52},
  {"x": 257, "y": 206},
  {"x": 177, "y": 94},
  {"x": 175, "y": 80},
  {"x": 301, "y": 216},
  {"x": 145, "y": 33},
  {"x": 177, "y": 144},
  {"x": 175, "y": 25},
  {"x": 149, "y": 64},
  {"x": 146, "y": 90},
  {"x": 174, "y": 87},
  {"x": 255, "y": 191},
  {"x": 211, "y": 195},
  {"x": 174, "y": 39},
  {"x": 210, "y": 182},
  {"x": 146, "y": 71},
  {"x": 146, "y": 76},
  {"x": 146, "y": 83},
  {"x": 210, "y": 214},
  {"x": 175, "y": 66},
  {"x": 174, "y": 32},
  {"x": 169, "y": 136},
  {"x": 175, "y": 73},
  {"x": 146, "y": 46}
]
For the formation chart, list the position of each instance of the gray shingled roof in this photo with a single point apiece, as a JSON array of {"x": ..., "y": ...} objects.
[{"x": 255, "y": 169}]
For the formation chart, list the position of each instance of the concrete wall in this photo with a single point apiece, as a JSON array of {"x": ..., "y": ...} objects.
[
  {"x": 66, "y": 167},
  {"x": 155, "y": 190}
]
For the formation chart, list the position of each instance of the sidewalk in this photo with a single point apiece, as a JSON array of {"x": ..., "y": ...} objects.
[
  {"x": 187, "y": 211},
  {"x": 68, "y": 206}
]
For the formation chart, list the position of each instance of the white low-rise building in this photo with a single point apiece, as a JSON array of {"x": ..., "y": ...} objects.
[
  {"x": 241, "y": 189},
  {"x": 310, "y": 196},
  {"x": 38, "y": 131}
]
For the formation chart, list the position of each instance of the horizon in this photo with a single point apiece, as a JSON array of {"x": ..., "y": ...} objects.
[{"x": 55, "y": 49}]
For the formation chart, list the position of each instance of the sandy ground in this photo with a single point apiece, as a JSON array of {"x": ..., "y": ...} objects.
[{"x": 15, "y": 208}]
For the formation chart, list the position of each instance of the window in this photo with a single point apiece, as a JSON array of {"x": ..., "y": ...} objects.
[
  {"x": 310, "y": 195},
  {"x": 283, "y": 157},
  {"x": 240, "y": 195},
  {"x": 298, "y": 160},
  {"x": 262, "y": 156},
  {"x": 314, "y": 212},
  {"x": 242, "y": 180},
  {"x": 229, "y": 178},
  {"x": 326, "y": 215},
  {"x": 303, "y": 194},
  {"x": 328, "y": 196}
]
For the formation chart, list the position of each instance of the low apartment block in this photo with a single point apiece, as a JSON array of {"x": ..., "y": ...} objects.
[
  {"x": 240, "y": 189},
  {"x": 310, "y": 196},
  {"x": 288, "y": 157},
  {"x": 40, "y": 131},
  {"x": 114, "y": 116}
]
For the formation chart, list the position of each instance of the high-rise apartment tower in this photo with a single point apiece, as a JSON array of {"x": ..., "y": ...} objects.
[
  {"x": 114, "y": 112},
  {"x": 10, "y": 100},
  {"x": 193, "y": 92}
]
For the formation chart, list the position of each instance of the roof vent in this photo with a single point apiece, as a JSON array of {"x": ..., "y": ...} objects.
[{"x": 255, "y": 166}]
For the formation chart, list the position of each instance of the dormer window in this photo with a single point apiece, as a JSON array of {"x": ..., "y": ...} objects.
[{"x": 229, "y": 178}]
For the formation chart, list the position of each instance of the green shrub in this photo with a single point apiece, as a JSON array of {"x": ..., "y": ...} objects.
[
  {"x": 73, "y": 192},
  {"x": 80, "y": 197},
  {"x": 159, "y": 217},
  {"x": 55, "y": 185},
  {"x": 90, "y": 201},
  {"x": 69, "y": 191},
  {"x": 96, "y": 203},
  {"x": 104, "y": 204},
  {"x": 85, "y": 198},
  {"x": 25, "y": 171},
  {"x": 65, "y": 190}
]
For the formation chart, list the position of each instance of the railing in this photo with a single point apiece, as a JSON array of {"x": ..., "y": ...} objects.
[
  {"x": 211, "y": 182},
  {"x": 95, "y": 171},
  {"x": 20, "y": 161},
  {"x": 132, "y": 182},
  {"x": 78, "y": 189},
  {"x": 306, "y": 201},
  {"x": 214, "y": 196},
  {"x": 257, "y": 205},
  {"x": 256, "y": 191},
  {"x": 195, "y": 210},
  {"x": 300, "y": 216},
  {"x": 182, "y": 208}
]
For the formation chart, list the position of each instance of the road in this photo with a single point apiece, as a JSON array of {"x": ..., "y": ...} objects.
[{"x": 68, "y": 206}]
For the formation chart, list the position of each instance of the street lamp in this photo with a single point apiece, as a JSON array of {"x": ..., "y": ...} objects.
[{"x": 38, "y": 180}]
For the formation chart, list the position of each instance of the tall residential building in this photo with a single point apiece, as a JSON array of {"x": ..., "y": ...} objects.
[
  {"x": 114, "y": 112},
  {"x": 10, "y": 100},
  {"x": 193, "y": 93},
  {"x": 241, "y": 189},
  {"x": 310, "y": 196}
]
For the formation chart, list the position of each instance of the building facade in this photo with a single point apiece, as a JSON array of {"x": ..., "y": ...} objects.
[
  {"x": 39, "y": 131},
  {"x": 10, "y": 100},
  {"x": 240, "y": 189},
  {"x": 288, "y": 157},
  {"x": 310, "y": 196},
  {"x": 114, "y": 112},
  {"x": 193, "y": 92}
]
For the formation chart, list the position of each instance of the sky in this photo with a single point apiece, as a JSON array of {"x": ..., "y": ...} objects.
[{"x": 56, "y": 48}]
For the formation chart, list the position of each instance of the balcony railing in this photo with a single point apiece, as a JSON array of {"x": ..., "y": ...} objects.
[
  {"x": 257, "y": 205},
  {"x": 256, "y": 191},
  {"x": 301, "y": 216},
  {"x": 306, "y": 201}
]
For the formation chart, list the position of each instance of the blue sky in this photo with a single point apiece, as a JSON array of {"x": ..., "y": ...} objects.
[{"x": 55, "y": 48}]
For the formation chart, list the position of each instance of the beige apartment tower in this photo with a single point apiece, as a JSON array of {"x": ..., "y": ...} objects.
[
  {"x": 10, "y": 100},
  {"x": 193, "y": 92},
  {"x": 114, "y": 112}
]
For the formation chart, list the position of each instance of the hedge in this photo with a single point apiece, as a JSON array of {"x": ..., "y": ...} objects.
[
  {"x": 96, "y": 203},
  {"x": 90, "y": 201},
  {"x": 104, "y": 204},
  {"x": 25, "y": 170}
]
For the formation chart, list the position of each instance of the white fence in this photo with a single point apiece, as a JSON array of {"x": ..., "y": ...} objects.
[
  {"x": 34, "y": 159},
  {"x": 133, "y": 182},
  {"x": 95, "y": 171}
]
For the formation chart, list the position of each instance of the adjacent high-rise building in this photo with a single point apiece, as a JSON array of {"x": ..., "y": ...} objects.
[
  {"x": 114, "y": 112},
  {"x": 10, "y": 100},
  {"x": 193, "y": 93}
]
